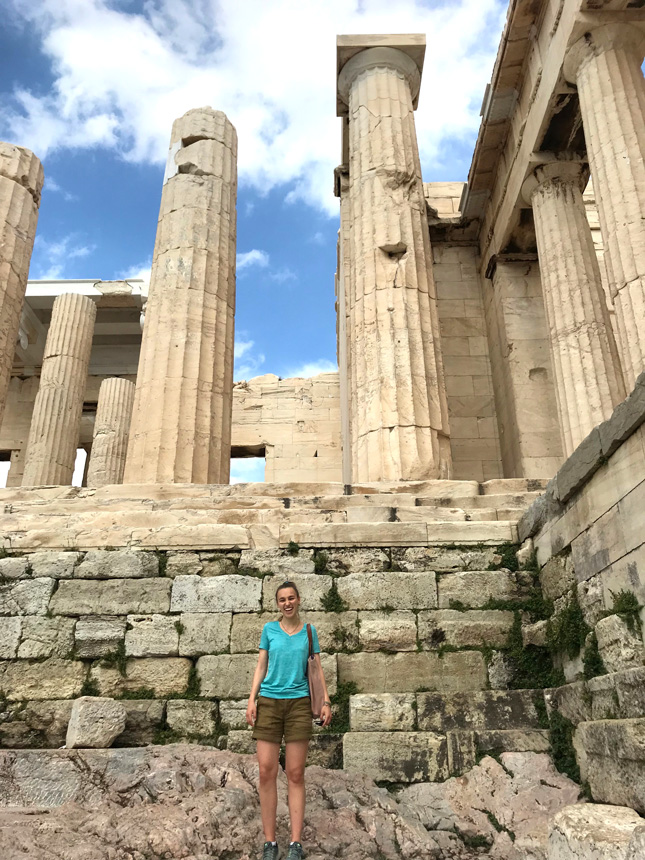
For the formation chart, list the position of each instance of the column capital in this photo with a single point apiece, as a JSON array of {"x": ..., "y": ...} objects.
[
  {"x": 559, "y": 171},
  {"x": 600, "y": 39},
  {"x": 355, "y": 54}
]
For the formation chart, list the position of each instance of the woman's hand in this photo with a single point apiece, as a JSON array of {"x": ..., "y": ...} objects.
[
  {"x": 325, "y": 715},
  {"x": 251, "y": 712}
]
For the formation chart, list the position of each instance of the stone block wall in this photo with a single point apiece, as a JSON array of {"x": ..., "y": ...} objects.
[
  {"x": 174, "y": 635},
  {"x": 590, "y": 541}
]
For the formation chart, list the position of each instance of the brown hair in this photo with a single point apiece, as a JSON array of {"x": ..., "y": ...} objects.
[{"x": 287, "y": 584}]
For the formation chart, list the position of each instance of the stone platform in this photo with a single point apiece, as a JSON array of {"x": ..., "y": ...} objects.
[{"x": 263, "y": 516}]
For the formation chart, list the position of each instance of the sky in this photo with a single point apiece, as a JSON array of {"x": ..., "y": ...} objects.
[{"x": 92, "y": 87}]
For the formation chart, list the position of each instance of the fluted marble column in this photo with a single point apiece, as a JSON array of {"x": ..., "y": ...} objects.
[
  {"x": 181, "y": 424},
  {"x": 111, "y": 431},
  {"x": 589, "y": 382},
  {"x": 398, "y": 401},
  {"x": 56, "y": 419},
  {"x": 606, "y": 66},
  {"x": 21, "y": 181}
]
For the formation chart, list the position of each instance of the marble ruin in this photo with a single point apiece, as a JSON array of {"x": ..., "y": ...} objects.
[{"x": 461, "y": 502}]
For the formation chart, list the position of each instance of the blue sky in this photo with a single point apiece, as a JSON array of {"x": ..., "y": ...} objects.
[{"x": 92, "y": 87}]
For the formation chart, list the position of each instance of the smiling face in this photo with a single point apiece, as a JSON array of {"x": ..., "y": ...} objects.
[{"x": 288, "y": 602}]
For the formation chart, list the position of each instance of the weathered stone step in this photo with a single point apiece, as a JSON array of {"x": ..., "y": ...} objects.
[{"x": 413, "y": 756}]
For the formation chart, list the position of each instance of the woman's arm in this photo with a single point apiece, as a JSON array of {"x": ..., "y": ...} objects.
[
  {"x": 325, "y": 714},
  {"x": 258, "y": 677}
]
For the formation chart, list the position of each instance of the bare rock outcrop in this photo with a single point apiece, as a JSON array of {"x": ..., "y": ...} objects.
[{"x": 191, "y": 802}]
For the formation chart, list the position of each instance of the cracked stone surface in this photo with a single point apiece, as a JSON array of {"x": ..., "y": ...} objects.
[{"x": 191, "y": 802}]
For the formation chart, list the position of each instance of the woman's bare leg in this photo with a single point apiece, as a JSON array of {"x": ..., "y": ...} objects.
[
  {"x": 296, "y": 756},
  {"x": 268, "y": 755}
]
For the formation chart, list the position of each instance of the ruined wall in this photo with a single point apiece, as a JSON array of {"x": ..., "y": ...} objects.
[
  {"x": 590, "y": 541},
  {"x": 295, "y": 421}
]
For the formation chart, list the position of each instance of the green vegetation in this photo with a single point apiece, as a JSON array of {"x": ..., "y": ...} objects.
[
  {"x": 116, "y": 659},
  {"x": 508, "y": 553},
  {"x": 346, "y": 640},
  {"x": 90, "y": 688},
  {"x": 332, "y": 601},
  {"x": 193, "y": 687},
  {"x": 626, "y": 605},
  {"x": 540, "y": 707},
  {"x": 162, "y": 555},
  {"x": 476, "y": 841},
  {"x": 179, "y": 627},
  {"x": 293, "y": 548},
  {"x": 138, "y": 693},
  {"x": 562, "y": 750},
  {"x": 321, "y": 559},
  {"x": 340, "y": 707},
  {"x": 387, "y": 608},
  {"x": 532, "y": 664},
  {"x": 567, "y": 631},
  {"x": 591, "y": 660}
]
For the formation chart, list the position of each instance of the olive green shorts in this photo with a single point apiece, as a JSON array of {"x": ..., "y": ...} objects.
[{"x": 283, "y": 718}]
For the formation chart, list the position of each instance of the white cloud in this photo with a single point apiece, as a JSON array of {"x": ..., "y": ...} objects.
[
  {"x": 312, "y": 368},
  {"x": 52, "y": 185},
  {"x": 283, "y": 274},
  {"x": 140, "y": 271},
  {"x": 49, "y": 257},
  {"x": 318, "y": 238},
  {"x": 252, "y": 258},
  {"x": 247, "y": 361},
  {"x": 121, "y": 77}
]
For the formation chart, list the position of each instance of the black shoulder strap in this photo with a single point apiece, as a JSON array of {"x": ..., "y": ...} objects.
[{"x": 311, "y": 641}]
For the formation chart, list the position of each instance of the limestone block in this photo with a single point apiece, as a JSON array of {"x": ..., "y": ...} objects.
[
  {"x": 636, "y": 848},
  {"x": 325, "y": 751},
  {"x": 501, "y": 671},
  {"x": 393, "y": 590},
  {"x": 215, "y": 594},
  {"x": 58, "y": 565},
  {"x": 49, "y": 679},
  {"x": 557, "y": 577},
  {"x": 620, "y": 647},
  {"x": 226, "y": 676},
  {"x": 117, "y": 564},
  {"x": 241, "y": 741},
  {"x": 626, "y": 418},
  {"x": 95, "y": 723},
  {"x": 26, "y": 597},
  {"x": 278, "y": 562},
  {"x": 611, "y": 754},
  {"x": 183, "y": 564},
  {"x": 151, "y": 636},
  {"x": 462, "y": 629},
  {"x": 535, "y": 634},
  {"x": 357, "y": 560},
  {"x": 217, "y": 564},
  {"x": 166, "y": 676},
  {"x": 476, "y": 588},
  {"x": 112, "y": 597},
  {"x": 191, "y": 719},
  {"x": 337, "y": 631},
  {"x": 246, "y": 630},
  {"x": 397, "y": 756},
  {"x": 312, "y": 587},
  {"x": 96, "y": 636},
  {"x": 203, "y": 633},
  {"x": 592, "y": 832},
  {"x": 144, "y": 718},
  {"x": 477, "y": 710},
  {"x": 232, "y": 713},
  {"x": 10, "y": 639},
  {"x": 389, "y": 631},
  {"x": 385, "y": 712},
  {"x": 628, "y": 700},
  {"x": 439, "y": 559},
  {"x": 14, "y": 568},
  {"x": 591, "y": 600},
  {"x": 46, "y": 637},
  {"x": 46, "y": 722},
  {"x": 571, "y": 700},
  {"x": 496, "y": 741},
  {"x": 406, "y": 673}
]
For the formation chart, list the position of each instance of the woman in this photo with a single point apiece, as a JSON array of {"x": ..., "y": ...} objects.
[{"x": 283, "y": 709}]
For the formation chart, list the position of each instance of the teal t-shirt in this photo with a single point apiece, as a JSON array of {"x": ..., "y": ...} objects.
[{"x": 286, "y": 676}]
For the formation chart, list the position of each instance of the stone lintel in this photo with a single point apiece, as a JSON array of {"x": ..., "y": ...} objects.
[{"x": 412, "y": 44}]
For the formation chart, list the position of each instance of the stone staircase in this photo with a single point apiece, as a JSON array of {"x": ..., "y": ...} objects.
[{"x": 257, "y": 516}]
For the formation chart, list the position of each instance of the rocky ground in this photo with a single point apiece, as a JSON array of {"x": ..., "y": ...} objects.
[{"x": 184, "y": 802}]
